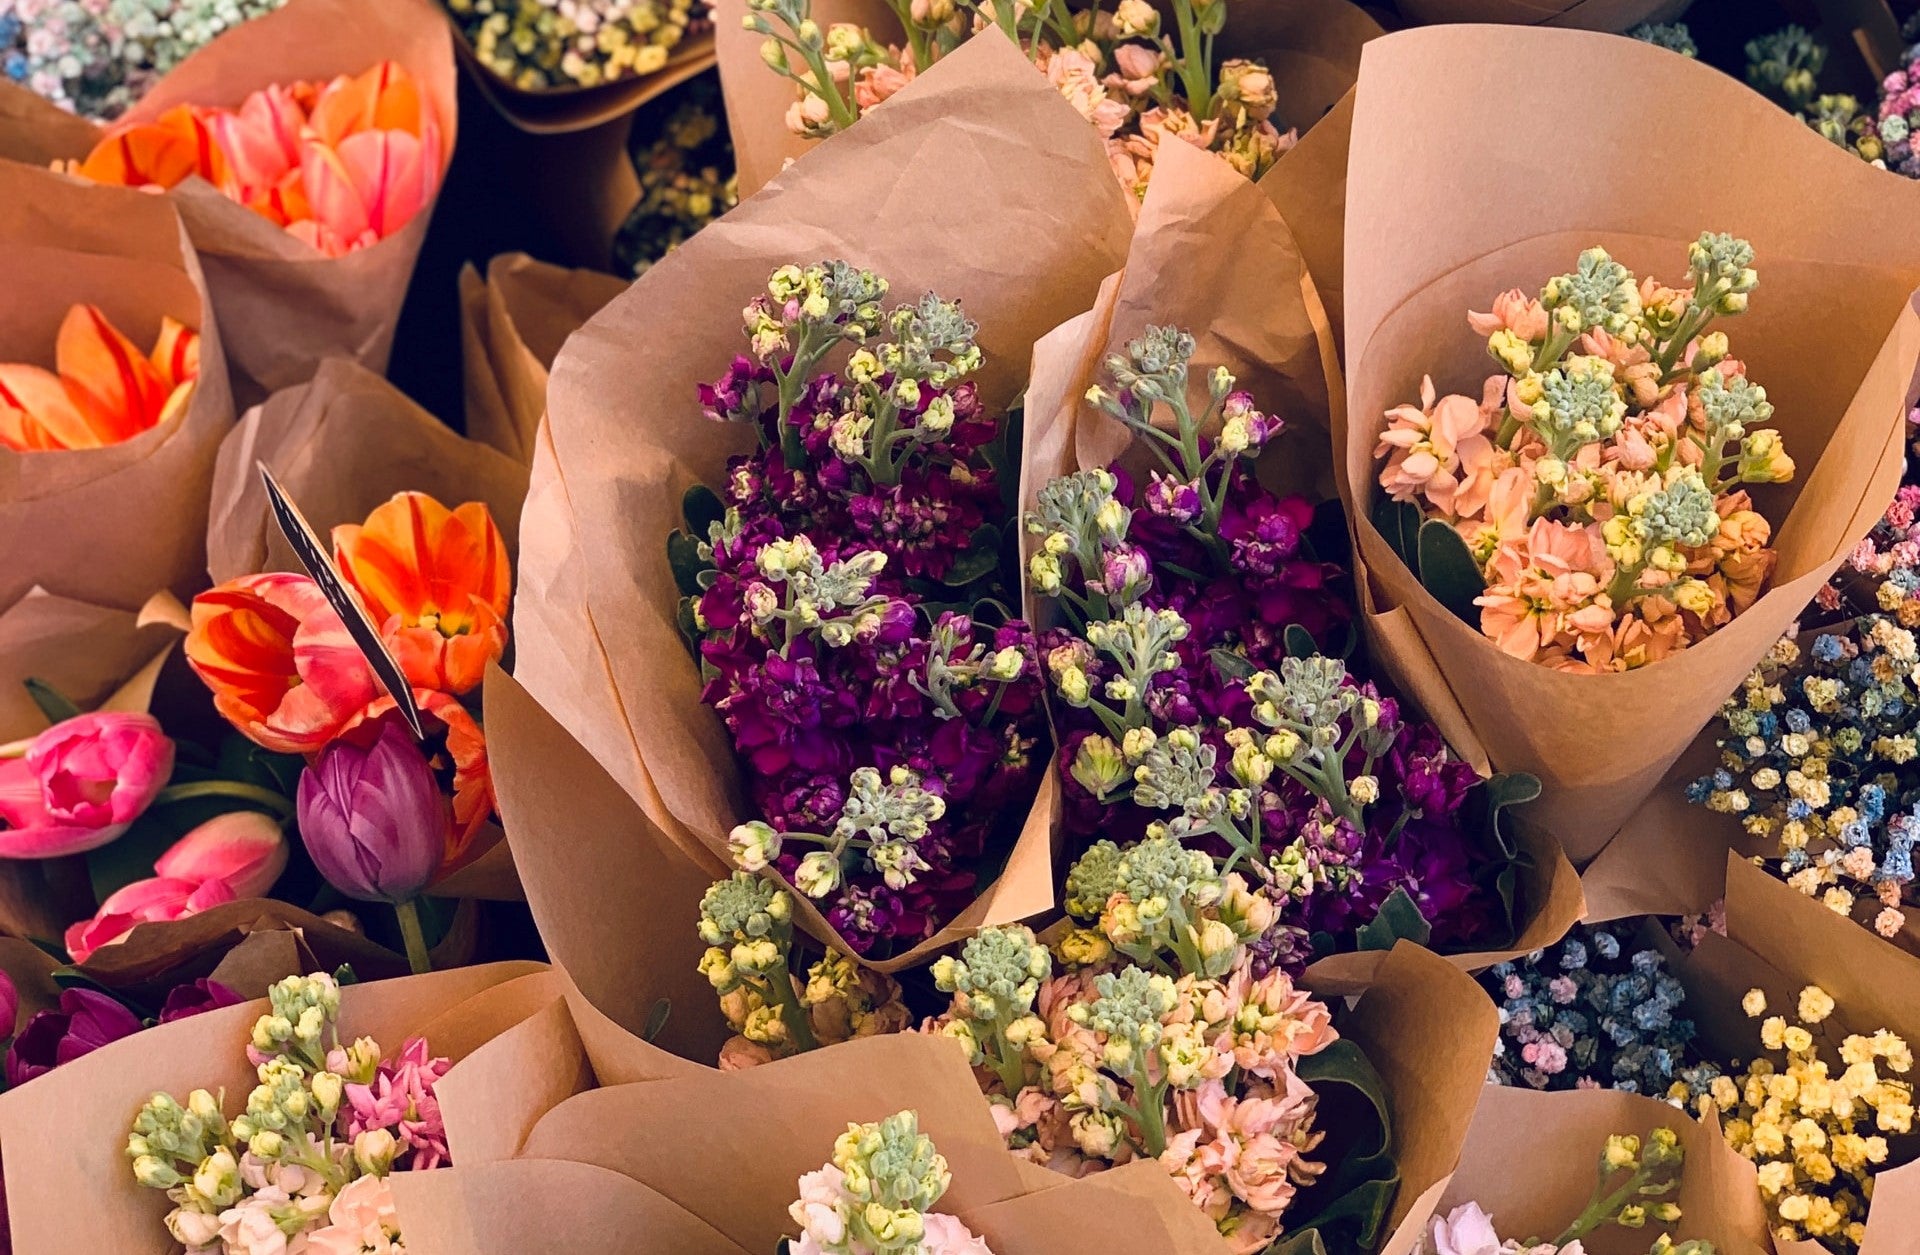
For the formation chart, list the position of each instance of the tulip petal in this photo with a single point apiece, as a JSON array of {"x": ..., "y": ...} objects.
[
  {"x": 337, "y": 202},
  {"x": 163, "y": 153},
  {"x": 176, "y": 354},
  {"x": 245, "y": 850},
  {"x": 383, "y": 98},
  {"x": 37, "y": 413},
  {"x": 111, "y": 381}
]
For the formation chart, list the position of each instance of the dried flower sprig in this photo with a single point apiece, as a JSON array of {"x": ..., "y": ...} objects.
[{"x": 538, "y": 45}]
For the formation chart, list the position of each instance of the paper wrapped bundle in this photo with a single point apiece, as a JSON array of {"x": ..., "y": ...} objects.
[
  {"x": 75, "y": 1192},
  {"x": 1529, "y": 1163},
  {"x": 1833, "y": 334},
  {"x": 926, "y": 195},
  {"x": 1595, "y": 15},
  {"x": 567, "y": 1097},
  {"x": 512, "y": 324},
  {"x": 287, "y": 306},
  {"x": 1312, "y": 48},
  {"x": 341, "y": 446}
]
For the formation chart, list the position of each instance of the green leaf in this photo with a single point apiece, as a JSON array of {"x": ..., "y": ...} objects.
[
  {"x": 702, "y": 508},
  {"x": 1299, "y": 641},
  {"x": 1399, "y": 919},
  {"x": 1231, "y": 665},
  {"x": 1302, "y": 1242},
  {"x": 1003, "y": 455},
  {"x": 683, "y": 555},
  {"x": 1349, "y": 1204},
  {"x": 689, "y": 627},
  {"x": 981, "y": 558},
  {"x": 344, "y": 975},
  {"x": 1448, "y": 570},
  {"x": 1399, "y": 522},
  {"x": 657, "y": 1019},
  {"x": 1488, "y": 805},
  {"x": 51, "y": 701}
]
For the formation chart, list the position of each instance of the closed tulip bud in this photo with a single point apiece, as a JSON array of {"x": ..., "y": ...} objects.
[{"x": 374, "y": 819}]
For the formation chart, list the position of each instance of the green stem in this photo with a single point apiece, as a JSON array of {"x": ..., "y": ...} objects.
[
  {"x": 417, "y": 958},
  {"x": 791, "y": 1012},
  {"x": 1193, "y": 68},
  {"x": 278, "y": 804}
]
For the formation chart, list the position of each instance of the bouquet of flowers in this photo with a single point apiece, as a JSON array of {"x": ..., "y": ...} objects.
[
  {"x": 545, "y": 44},
  {"x": 308, "y": 1157},
  {"x": 97, "y": 57},
  {"x": 877, "y": 1195},
  {"x": 1192, "y": 699},
  {"x": 1817, "y": 1135},
  {"x": 103, "y": 390},
  {"x": 340, "y": 165},
  {"x": 1899, "y": 115},
  {"x": 848, "y": 610},
  {"x": 1596, "y": 1010},
  {"x": 687, "y": 176},
  {"x": 1635, "y": 1183},
  {"x": 1596, "y": 495},
  {"x": 1136, "y": 78}
]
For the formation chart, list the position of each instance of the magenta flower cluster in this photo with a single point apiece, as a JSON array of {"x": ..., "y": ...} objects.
[
  {"x": 1177, "y": 603},
  {"x": 844, "y": 611}
]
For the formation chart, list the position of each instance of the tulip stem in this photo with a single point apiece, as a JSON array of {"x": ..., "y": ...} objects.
[
  {"x": 278, "y": 804},
  {"x": 409, "y": 913}
]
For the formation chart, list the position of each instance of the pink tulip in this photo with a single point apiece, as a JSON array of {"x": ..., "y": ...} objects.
[
  {"x": 81, "y": 784},
  {"x": 369, "y": 186},
  {"x": 262, "y": 140},
  {"x": 231, "y": 856}
]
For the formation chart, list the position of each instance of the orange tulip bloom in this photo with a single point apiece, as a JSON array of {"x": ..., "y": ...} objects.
[
  {"x": 384, "y": 98},
  {"x": 279, "y": 661},
  {"x": 161, "y": 154},
  {"x": 465, "y": 754},
  {"x": 436, "y": 583},
  {"x": 105, "y": 390}
]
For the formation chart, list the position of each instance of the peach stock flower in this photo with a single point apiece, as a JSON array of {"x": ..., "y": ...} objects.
[
  {"x": 102, "y": 390},
  {"x": 281, "y": 665},
  {"x": 1426, "y": 447},
  {"x": 436, "y": 582},
  {"x": 1515, "y": 311}
]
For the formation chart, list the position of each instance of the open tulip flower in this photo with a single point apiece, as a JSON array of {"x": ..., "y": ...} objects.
[
  {"x": 340, "y": 165},
  {"x": 281, "y": 665},
  {"x": 103, "y": 390},
  {"x": 80, "y": 784},
  {"x": 436, "y": 582}
]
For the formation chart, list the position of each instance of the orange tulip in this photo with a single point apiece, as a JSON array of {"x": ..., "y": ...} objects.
[
  {"x": 465, "y": 752},
  {"x": 161, "y": 154},
  {"x": 384, "y": 98},
  {"x": 281, "y": 665},
  {"x": 105, "y": 390},
  {"x": 436, "y": 582}
]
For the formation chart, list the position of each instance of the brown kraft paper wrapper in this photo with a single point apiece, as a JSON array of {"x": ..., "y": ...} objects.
[
  {"x": 565, "y": 110},
  {"x": 1831, "y": 334},
  {"x": 1210, "y": 254},
  {"x": 512, "y": 324},
  {"x": 285, "y": 305},
  {"x": 1309, "y": 187},
  {"x": 1596, "y": 15},
  {"x": 928, "y": 195},
  {"x": 91, "y": 1102},
  {"x": 1311, "y": 46},
  {"x": 340, "y": 446},
  {"x": 1531, "y": 1159}
]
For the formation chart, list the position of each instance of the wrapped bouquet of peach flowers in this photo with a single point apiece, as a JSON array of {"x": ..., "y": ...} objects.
[{"x": 1593, "y": 499}]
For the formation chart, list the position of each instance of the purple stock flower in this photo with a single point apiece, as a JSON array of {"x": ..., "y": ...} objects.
[{"x": 84, "y": 1021}]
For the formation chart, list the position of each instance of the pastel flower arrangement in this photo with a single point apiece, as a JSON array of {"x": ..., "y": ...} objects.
[
  {"x": 687, "y": 178},
  {"x": 1817, "y": 753},
  {"x": 876, "y": 1196},
  {"x": 340, "y": 165},
  {"x": 540, "y": 45},
  {"x": 1596, "y": 485},
  {"x": 305, "y": 1165},
  {"x": 1593, "y": 1011},
  {"x": 1898, "y": 115},
  {"x": 103, "y": 389},
  {"x": 97, "y": 57},
  {"x": 372, "y": 803},
  {"x": 1635, "y": 1180},
  {"x": 1817, "y": 1135},
  {"x": 1191, "y": 698},
  {"x": 1160, "y": 1030},
  {"x": 1139, "y": 78},
  {"x": 846, "y": 606}
]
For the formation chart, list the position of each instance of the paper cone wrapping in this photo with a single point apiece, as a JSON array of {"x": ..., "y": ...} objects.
[
  {"x": 564, "y": 110},
  {"x": 287, "y": 307},
  {"x": 512, "y": 324},
  {"x": 107, "y": 527},
  {"x": 341, "y": 445},
  {"x": 1312, "y": 47},
  {"x": 929, "y": 194},
  {"x": 1309, "y": 187},
  {"x": 1595, "y": 15},
  {"x": 69, "y": 1187},
  {"x": 1531, "y": 1158},
  {"x": 1832, "y": 334}
]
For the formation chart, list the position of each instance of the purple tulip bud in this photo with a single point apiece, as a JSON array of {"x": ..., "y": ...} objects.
[
  {"x": 84, "y": 1022},
  {"x": 196, "y": 997},
  {"x": 374, "y": 819}
]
